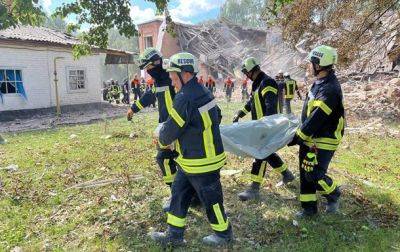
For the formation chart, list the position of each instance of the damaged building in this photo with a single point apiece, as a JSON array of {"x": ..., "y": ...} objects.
[{"x": 220, "y": 46}]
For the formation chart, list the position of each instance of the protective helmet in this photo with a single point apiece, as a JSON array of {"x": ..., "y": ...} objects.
[
  {"x": 249, "y": 64},
  {"x": 286, "y": 75},
  {"x": 280, "y": 72},
  {"x": 149, "y": 56},
  {"x": 323, "y": 55},
  {"x": 185, "y": 62}
]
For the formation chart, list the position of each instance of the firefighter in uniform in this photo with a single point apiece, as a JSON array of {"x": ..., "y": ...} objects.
[
  {"x": 320, "y": 133},
  {"x": 229, "y": 88},
  {"x": 164, "y": 93},
  {"x": 210, "y": 84},
  {"x": 245, "y": 93},
  {"x": 281, "y": 87},
  {"x": 290, "y": 87},
  {"x": 135, "y": 85},
  {"x": 194, "y": 127},
  {"x": 263, "y": 102}
]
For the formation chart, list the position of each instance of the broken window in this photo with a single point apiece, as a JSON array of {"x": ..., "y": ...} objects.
[
  {"x": 10, "y": 80},
  {"x": 76, "y": 79},
  {"x": 148, "y": 41}
]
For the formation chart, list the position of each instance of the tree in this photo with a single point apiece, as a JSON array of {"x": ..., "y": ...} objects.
[
  {"x": 244, "y": 12},
  {"x": 98, "y": 15},
  {"x": 14, "y": 12},
  {"x": 56, "y": 23},
  {"x": 351, "y": 26}
]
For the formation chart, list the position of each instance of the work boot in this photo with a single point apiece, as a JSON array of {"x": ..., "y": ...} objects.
[
  {"x": 167, "y": 205},
  {"x": 303, "y": 214},
  {"x": 287, "y": 177},
  {"x": 252, "y": 193},
  {"x": 215, "y": 240},
  {"x": 167, "y": 239},
  {"x": 333, "y": 201}
]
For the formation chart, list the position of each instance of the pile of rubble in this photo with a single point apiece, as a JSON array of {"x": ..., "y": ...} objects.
[{"x": 378, "y": 98}]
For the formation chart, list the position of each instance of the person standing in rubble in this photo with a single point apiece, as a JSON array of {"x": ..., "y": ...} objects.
[
  {"x": 229, "y": 88},
  {"x": 263, "y": 102},
  {"x": 290, "y": 87},
  {"x": 245, "y": 93},
  {"x": 201, "y": 81},
  {"x": 126, "y": 92},
  {"x": 135, "y": 85},
  {"x": 280, "y": 80},
  {"x": 194, "y": 125},
  {"x": 210, "y": 84},
  {"x": 149, "y": 89},
  {"x": 320, "y": 133},
  {"x": 151, "y": 60}
]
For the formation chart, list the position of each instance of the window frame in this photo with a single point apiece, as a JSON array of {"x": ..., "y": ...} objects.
[
  {"x": 145, "y": 41},
  {"x": 78, "y": 90},
  {"x": 4, "y": 68}
]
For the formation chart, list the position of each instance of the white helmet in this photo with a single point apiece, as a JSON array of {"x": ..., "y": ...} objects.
[
  {"x": 286, "y": 74},
  {"x": 280, "y": 71}
]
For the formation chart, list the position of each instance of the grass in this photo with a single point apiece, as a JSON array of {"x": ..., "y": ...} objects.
[{"x": 38, "y": 212}]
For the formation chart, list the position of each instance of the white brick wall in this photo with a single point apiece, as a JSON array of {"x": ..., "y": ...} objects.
[{"x": 37, "y": 72}]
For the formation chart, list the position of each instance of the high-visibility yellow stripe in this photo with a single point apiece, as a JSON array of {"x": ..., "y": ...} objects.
[
  {"x": 340, "y": 127},
  {"x": 322, "y": 146},
  {"x": 310, "y": 107},
  {"x": 327, "y": 189},
  {"x": 222, "y": 224},
  {"x": 245, "y": 111},
  {"x": 168, "y": 100},
  {"x": 260, "y": 176},
  {"x": 257, "y": 103},
  {"x": 176, "y": 221},
  {"x": 178, "y": 119},
  {"x": 169, "y": 177},
  {"x": 178, "y": 146},
  {"x": 139, "y": 105},
  {"x": 268, "y": 89},
  {"x": 196, "y": 166},
  {"x": 321, "y": 104},
  {"x": 290, "y": 86},
  {"x": 327, "y": 140},
  {"x": 163, "y": 146},
  {"x": 308, "y": 197},
  {"x": 208, "y": 139},
  {"x": 281, "y": 169},
  {"x": 302, "y": 135}
]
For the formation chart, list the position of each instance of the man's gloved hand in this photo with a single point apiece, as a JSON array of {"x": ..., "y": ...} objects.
[
  {"x": 236, "y": 118},
  {"x": 294, "y": 141},
  {"x": 129, "y": 114}
]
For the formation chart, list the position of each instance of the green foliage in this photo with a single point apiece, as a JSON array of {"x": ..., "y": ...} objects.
[
  {"x": 17, "y": 12},
  {"x": 244, "y": 12},
  {"x": 39, "y": 213}
]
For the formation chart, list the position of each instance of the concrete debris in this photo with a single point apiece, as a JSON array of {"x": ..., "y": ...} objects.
[{"x": 378, "y": 98}]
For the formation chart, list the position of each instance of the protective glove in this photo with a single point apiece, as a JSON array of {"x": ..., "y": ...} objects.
[
  {"x": 129, "y": 114},
  {"x": 295, "y": 140}
]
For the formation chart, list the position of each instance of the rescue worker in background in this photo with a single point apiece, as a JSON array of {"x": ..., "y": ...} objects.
[
  {"x": 263, "y": 102},
  {"x": 149, "y": 89},
  {"x": 164, "y": 93},
  {"x": 229, "y": 87},
  {"x": 201, "y": 81},
  {"x": 210, "y": 84},
  {"x": 115, "y": 92},
  {"x": 245, "y": 93},
  {"x": 136, "y": 90},
  {"x": 194, "y": 127},
  {"x": 126, "y": 92},
  {"x": 320, "y": 133},
  {"x": 290, "y": 87},
  {"x": 280, "y": 80}
]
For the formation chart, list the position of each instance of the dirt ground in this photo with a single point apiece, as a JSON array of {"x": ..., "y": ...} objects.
[{"x": 51, "y": 120}]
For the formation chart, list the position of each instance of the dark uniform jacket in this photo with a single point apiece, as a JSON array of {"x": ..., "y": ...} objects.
[
  {"x": 194, "y": 127},
  {"x": 264, "y": 98},
  {"x": 323, "y": 114},
  {"x": 163, "y": 91}
]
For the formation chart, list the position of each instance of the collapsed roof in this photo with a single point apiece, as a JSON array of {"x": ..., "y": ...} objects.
[{"x": 223, "y": 46}]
